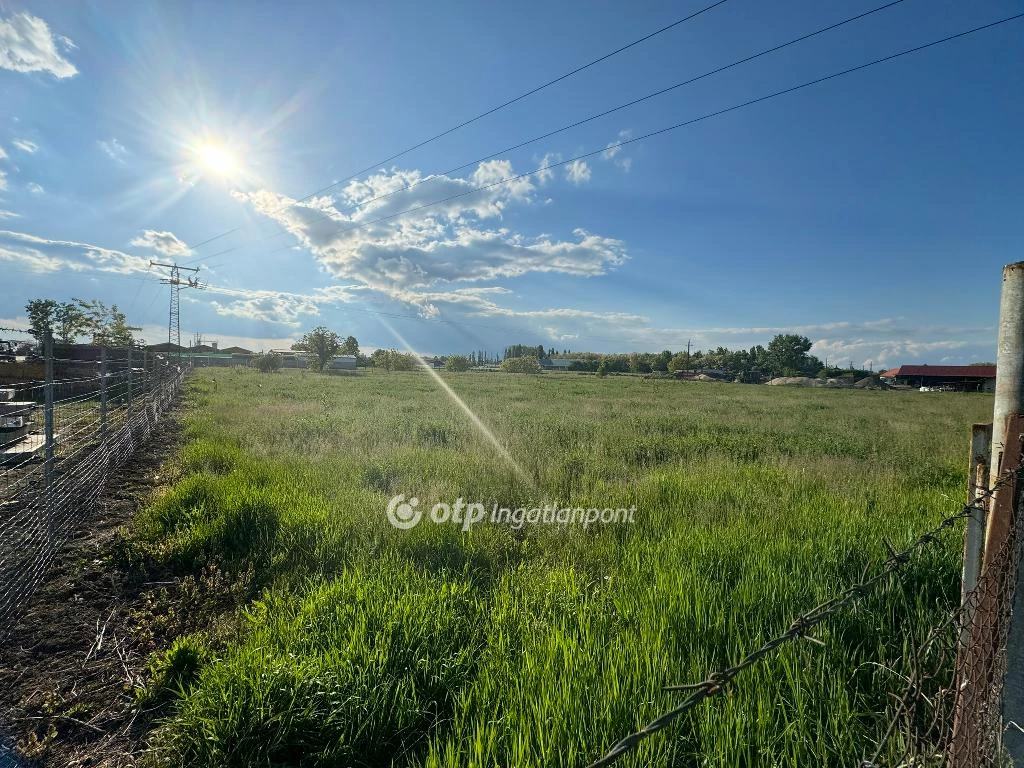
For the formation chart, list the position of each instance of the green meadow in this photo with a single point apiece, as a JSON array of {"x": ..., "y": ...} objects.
[{"x": 350, "y": 642}]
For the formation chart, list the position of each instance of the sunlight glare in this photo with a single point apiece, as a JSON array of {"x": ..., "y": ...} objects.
[{"x": 217, "y": 158}]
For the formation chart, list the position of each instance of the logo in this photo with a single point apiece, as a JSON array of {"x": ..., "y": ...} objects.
[{"x": 404, "y": 515}]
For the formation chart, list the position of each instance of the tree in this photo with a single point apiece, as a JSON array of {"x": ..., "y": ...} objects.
[
  {"x": 661, "y": 361},
  {"x": 787, "y": 354},
  {"x": 267, "y": 362},
  {"x": 323, "y": 344},
  {"x": 678, "y": 362},
  {"x": 41, "y": 317},
  {"x": 350, "y": 346},
  {"x": 457, "y": 363},
  {"x": 107, "y": 325},
  {"x": 525, "y": 364},
  {"x": 70, "y": 322}
]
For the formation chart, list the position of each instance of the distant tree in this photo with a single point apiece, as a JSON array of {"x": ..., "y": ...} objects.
[
  {"x": 787, "y": 354},
  {"x": 266, "y": 362},
  {"x": 107, "y": 325},
  {"x": 524, "y": 364},
  {"x": 401, "y": 361},
  {"x": 350, "y": 346},
  {"x": 985, "y": 362},
  {"x": 678, "y": 362},
  {"x": 41, "y": 318},
  {"x": 661, "y": 361},
  {"x": 70, "y": 322},
  {"x": 602, "y": 368},
  {"x": 457, "y": 363},
  {"x": 323, "y": 344}
]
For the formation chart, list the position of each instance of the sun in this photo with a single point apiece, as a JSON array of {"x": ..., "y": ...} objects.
[{"x": 217, "y": 159}]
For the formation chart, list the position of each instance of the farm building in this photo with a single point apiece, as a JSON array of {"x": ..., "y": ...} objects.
[
  {"x": 343, "y": 363},
  {"x": 961, "y": 378},
  {"x": 558, "y": 363}
]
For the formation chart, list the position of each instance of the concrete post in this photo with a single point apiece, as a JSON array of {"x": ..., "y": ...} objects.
[
  {"x": 1009, "y": 400},
  {"x": 1009, "y": 360}
]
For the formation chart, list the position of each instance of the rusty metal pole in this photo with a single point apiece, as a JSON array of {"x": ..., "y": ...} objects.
[
  {"x": 974, "y": 533},
  {"x": 1009, "y": 400}
]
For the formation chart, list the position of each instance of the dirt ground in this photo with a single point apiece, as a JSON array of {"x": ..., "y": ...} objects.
[{"x": 70, "y": 669}]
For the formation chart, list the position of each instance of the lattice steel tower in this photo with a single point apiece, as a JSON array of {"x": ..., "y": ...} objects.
[{"x": 176, "y": 283}]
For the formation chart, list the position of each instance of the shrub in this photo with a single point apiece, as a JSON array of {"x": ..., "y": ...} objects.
[
  {"x": 457, "y": 363},
  {"x": 267, "y": 362},
  {"x": 526, "y": 364}
]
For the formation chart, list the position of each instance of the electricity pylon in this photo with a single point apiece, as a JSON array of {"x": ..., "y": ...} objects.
[{"x": 176, "y": 283}]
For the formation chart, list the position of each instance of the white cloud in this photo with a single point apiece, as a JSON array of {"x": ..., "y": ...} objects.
[
  {"x": 412, "y": 256},
  {"x": 44, "y": 255},
  {"x": 3, "y": 154},
  {"x": 578, "y": 172},
  {"x": 27, "y": 45},
  {"x": 67, "y": 43},
  {"x": 25, "y": 145},
  {"x": 165, "y": 243},
  {"x": 613, "y": 151},
  {"x": 3, "y": 179},
  {"x": 545, "y": 173},
  {"x": 9, "y": 214},
  {"x": 114, "y": 149},
  {"x": 35, "y": 189}
]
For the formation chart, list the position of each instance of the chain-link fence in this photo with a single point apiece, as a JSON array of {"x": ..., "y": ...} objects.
[{"x": 60, "y": 438}]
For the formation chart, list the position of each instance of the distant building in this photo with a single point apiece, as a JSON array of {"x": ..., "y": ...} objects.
[
  {"x": 558, "y": 363},
  {"x": 237, "y": 351},
  {"x": 961, "y": 378},
  {"x": 343, "y": 363}
]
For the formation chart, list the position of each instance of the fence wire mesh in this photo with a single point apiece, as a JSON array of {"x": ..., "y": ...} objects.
[{"x": 59, "y": 442}]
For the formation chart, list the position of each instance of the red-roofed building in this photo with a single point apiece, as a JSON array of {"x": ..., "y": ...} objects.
[{"x": 962, "y": 378}]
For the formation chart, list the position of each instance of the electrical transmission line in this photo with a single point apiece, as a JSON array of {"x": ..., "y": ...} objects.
[
  {"x": 498, "y": 108},
  {"x": 676, "y": 126}
]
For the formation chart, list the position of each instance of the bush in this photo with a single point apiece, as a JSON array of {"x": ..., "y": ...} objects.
[
  {"x": 267, "y": 362},
  {"x": 526, "y": 364},
  {"x": 457, "y": 363}
]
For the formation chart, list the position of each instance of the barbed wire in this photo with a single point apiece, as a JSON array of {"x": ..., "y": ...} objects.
[{"x": 799, "y": 628}]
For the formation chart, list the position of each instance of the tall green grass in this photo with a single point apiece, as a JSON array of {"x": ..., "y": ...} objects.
[{"x": 366, "y": 645}]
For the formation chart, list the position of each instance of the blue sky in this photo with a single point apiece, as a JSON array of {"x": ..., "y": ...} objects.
[{"x": 872, "y": 213}]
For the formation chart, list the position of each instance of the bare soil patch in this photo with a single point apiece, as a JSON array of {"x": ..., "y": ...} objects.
[{"x": 70, "y": 670}]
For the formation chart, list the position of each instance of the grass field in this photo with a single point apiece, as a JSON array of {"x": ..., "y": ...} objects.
[{"x": 361, "y": 644}]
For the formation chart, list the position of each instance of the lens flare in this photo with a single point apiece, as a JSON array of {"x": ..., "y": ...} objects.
[{"x": 473, "y": 418}]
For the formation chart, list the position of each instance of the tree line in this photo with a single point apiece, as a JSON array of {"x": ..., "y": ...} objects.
[
  {"x": 787, "y": 354},
  {"x": 67, "y": 322}
]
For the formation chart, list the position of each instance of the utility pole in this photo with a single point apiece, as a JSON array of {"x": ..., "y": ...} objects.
[
  {"x": 688, "y": 354},
  {"x": 176, "y": 283}
]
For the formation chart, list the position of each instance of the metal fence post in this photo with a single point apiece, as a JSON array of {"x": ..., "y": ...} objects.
[
  {"x": 48, "y": 445},
  {"x": 130, "y": 363},
  {"x": 974, "y": 533},
  {"x": 103, "y": 390},
  {"x": 1009, "y": 400}
]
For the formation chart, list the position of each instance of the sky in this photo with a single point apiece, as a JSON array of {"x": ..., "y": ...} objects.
[{"x": 257, "y": 141}]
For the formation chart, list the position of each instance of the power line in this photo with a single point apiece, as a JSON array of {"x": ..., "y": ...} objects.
[
  {"x": 499, "y": 107},
  {"x": 576, "y": 124},
  {"x": 520, "y": 97},
  {"x": 676, "y": 126}
]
